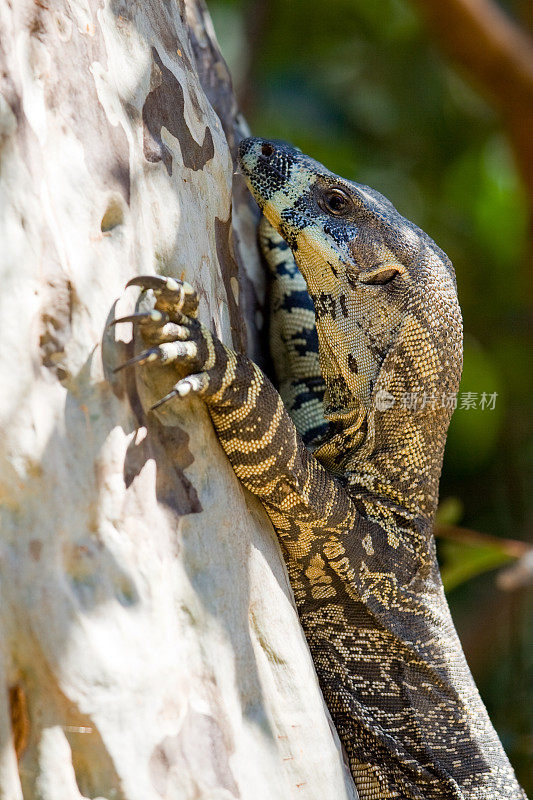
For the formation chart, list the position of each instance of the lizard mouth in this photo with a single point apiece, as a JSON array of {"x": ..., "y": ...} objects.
[{"x": 265, "y": 166}]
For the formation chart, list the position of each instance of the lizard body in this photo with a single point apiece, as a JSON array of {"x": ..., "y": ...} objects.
[{"x": 364, "y": 312}]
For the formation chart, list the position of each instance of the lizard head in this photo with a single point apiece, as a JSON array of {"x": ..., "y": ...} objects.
[{"x": 385, "y": 297}]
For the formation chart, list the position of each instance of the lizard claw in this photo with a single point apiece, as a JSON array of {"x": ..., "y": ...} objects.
[
  {"x": 143, "y": 318},
  {"x": 174, "y": 296},
  {"x": 142, "y": 358},
  {"x": 192, "y": 384},
  {"x": 155, "y": 282},
  {"x": 166, "y": 352},
  {"x": 173, "y": 393},
  {"x": 173, "y": 336}
]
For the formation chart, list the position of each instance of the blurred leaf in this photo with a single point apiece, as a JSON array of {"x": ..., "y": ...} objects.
[
  {"x": 466, "y": 553},
  {"x": 461, "y": 562},
  {"x": 500, "y": 210},
  {"x": 450, "y": 511},
  {"x": 473, "y": 433},
  {"x": 229, "y": 26},
  {"x": 402, "y": 22},
  {"x": 487, "y": 204}
]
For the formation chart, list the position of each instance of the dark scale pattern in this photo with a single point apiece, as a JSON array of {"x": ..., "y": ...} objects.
[{"x": 353, "y": 510}]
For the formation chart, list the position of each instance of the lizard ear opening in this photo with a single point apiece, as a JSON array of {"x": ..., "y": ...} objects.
[{"x": 379, "y": 276}]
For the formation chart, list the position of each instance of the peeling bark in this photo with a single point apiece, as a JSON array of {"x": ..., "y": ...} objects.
[{"x": 149, "y": 644}]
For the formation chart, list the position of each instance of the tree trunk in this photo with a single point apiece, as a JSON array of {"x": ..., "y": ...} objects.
[{"x": 149, "y": 644}]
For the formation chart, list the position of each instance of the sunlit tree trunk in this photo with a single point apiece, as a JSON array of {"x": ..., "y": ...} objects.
[{"x": 149, "y": 645}]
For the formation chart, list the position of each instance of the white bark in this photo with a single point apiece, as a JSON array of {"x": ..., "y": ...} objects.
[{"x": 149, "y": 645}]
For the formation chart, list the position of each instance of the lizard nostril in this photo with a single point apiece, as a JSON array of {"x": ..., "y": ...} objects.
[{"x": 267, "y": 149}]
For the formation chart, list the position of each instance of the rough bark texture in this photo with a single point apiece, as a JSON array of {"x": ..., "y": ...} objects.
[{"x": 149, "y": 646}]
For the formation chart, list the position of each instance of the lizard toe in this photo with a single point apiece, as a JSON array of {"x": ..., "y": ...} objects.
[
  {"x": 193, "y": 384},
  {"x": 166, "y": 353},
  {"x": 172, "y": 295}
]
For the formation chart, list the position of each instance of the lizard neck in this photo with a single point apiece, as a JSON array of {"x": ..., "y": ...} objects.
[
  {"x": 389, "y": 399},
  {"x": 389, "y": 460}
]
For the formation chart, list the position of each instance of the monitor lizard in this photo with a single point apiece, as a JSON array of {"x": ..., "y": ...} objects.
[{"x": 364, "y": 314}]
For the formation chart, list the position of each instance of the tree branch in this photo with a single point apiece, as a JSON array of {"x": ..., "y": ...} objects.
[
  {"x": 496, "y": 52},
  {"x": 498, "y": 56},
  {"x": 511, "y": 547}
]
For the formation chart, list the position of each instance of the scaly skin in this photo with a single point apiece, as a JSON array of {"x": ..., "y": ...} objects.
[{"x": 351, "y": 481}]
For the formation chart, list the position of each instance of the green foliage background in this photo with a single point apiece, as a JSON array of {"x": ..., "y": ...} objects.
[{"x": 359, "y": 85}]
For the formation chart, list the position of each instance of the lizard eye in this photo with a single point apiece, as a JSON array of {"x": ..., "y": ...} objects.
[{"x": 335, "y": 201}]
